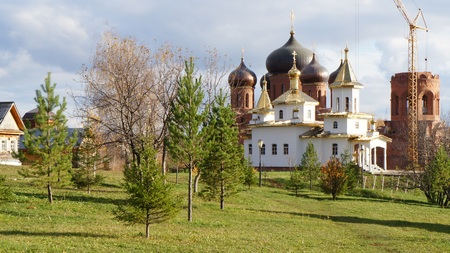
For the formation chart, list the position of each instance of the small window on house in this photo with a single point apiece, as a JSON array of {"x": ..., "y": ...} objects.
[
  {"x": 337, "y": 105},
  {"x": 263, "y": 149},
  {"x": 280, "y": 114},
  {"x": 13, "y": 146},
  {"x": 309, "y": 114},
  {"x": 335, "y": 125},
  {"x": 354, "y": 105},
  {"x": 250, "y": 149},
  {"x": 274, "y": 149},
  {"x": 335, "y": 149},
  {"x": 282, "y": 88},
  {"x": 286, "y": 149},
  {"x": 357, "y": 124},
  {"x": 3, "y": 145}
]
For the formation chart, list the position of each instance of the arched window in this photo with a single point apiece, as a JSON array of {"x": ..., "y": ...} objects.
[
  {"x": 263, "y": 149},
  {"x": 407, "y": 106},
  {"x": 282, "y": 88},
  {"x": 247, "y": 100},
  {"x": 238, "y": 102},
  {"x": 335, "y": 125},
  {"x": 319, "y": 96},
  {"x": 337, "y": 104},
  {"x": 309, "y": 114},
  {"x": 347, "y": 104},
  {"x": 396, "y": 105},
  {"x": 280, "y": 114},
  {"x": 424, "y": 105},
  {"x": 354, "y": 106}
]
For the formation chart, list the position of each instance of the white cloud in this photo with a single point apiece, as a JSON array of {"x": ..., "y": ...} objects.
[{"x": 59, "y": 36}]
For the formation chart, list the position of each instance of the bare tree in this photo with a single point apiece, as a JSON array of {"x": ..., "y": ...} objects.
[
  {"x": 214, "y": 78},
  {"x": 167, "y": 65},
  {"x": 128, "y": 90}
]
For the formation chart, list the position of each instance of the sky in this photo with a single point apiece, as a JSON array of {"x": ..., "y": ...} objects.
[{"x": 40, "y": 36}]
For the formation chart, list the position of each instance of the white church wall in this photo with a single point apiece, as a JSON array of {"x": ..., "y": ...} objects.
[
  {"x": 326, "y": 148},
  {"x": 279, "y": 136}
]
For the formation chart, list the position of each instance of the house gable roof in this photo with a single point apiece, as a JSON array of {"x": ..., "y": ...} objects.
[{"x": 6, "y": 107}]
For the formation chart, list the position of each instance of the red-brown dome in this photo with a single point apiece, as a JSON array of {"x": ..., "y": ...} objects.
[
  {"x": 314, "y": 72},
  {"x": 281, "y": 60},
  {"x": 242, "y": 76}
]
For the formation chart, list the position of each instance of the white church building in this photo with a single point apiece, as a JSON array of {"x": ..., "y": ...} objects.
[{"x": 276, "y": 133}]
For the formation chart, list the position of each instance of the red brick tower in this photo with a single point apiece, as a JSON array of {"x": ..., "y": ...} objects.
[
  {"x": 428, "y": 101},
  {"x": 242, "y": 83}
]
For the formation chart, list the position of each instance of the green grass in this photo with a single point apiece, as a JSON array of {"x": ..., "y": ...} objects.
[{"x": 267, "y": 219}]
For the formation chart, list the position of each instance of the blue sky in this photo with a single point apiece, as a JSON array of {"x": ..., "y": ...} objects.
[{"x": 38, "y": 36}]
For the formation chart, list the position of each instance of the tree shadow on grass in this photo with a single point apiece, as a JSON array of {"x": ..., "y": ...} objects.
[
  {"x": 54, "y": 234},
  {"x": 358, "y": 197},
  {"x": 432, "y": 227},
  {"x": 77, "y": 198}
]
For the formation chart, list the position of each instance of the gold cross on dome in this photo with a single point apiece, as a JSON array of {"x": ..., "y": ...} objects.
[{"x": 294, "y": 54}]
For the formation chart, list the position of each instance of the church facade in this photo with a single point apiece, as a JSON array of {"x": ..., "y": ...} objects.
[{"x": 292, "y": 111}]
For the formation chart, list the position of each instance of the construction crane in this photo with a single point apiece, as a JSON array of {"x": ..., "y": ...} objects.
[{"x": 412, "y": 81}]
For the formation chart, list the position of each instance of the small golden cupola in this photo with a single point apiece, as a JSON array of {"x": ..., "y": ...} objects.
[{"x": 294, "y": 74}]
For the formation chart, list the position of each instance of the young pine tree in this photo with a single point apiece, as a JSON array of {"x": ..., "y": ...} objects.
[
  {"x": 185, "y": 143},
  {"x": 88, "y": 160},
  {"x": 223, "y": 165},
  {"x": 49, "y": 143},
  {"x": 352, "y": 170},
  {"x": 435, "y": 181},
  {"x": 310, "y": 164},
  {"x": 249, "y": 175},
  {"x": 296, "y": 180},
  {"x": 5, "y": 191},
  {"x": 150, "y": 200}
]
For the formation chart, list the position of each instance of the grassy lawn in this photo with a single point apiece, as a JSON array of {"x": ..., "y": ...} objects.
[{"x": 266, "y": 219}]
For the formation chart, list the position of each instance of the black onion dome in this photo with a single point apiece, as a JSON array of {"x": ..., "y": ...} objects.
[
  {"x": 334, "y": 74},
  {"x": 242, "y": 76},
  {"x": 281, "y": 60},
  {"x": 314, "y": 72},
  {"x": 267, "y": 80}
]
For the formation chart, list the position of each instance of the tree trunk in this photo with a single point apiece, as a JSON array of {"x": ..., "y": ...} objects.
[
  {"x": 147, "y": 225},
  {"x": 190, "y": 193},
  {"x": 222, "y": 189},
  {"x": 310, "y": 179},
  {"x": 163, "y": 161},
  {"x": 50, "y": 194}
]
